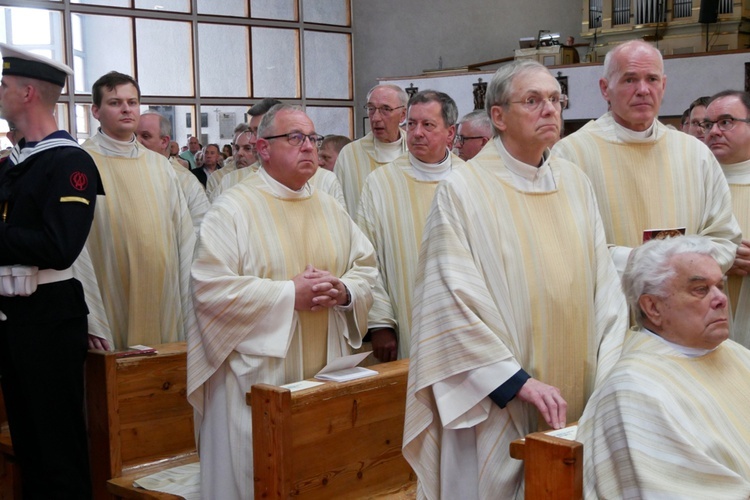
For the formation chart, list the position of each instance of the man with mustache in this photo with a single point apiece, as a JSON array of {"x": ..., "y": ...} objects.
[{"x": 645, "y": 175}]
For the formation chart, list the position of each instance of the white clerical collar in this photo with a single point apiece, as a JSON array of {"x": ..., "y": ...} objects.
[
  {"x": 431, "y": 171},
  {"x": 690, "y": 352},
  {"x": 527, "y": 177},
  {"x": 386, "y": 152},
  {"x": 629, "y": 135},
  {"x": 737, "y": 173},
  {"x": 279, "y": 190},
  {"x": 113, "y": 147}
]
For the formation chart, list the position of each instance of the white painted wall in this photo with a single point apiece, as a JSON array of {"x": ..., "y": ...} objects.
[
  {"x": 687, "y": 79},
  {"x": 403, "y": 37}
]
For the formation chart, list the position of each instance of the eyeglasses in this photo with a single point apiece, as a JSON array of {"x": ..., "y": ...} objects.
[
  {"x": 384, "y": 110},
  {"x": 460, "y": 139},
  {"x": 533, "y": 103},
  {"x": 297, "y": 138},
  {"x": 725, "y": 124}
]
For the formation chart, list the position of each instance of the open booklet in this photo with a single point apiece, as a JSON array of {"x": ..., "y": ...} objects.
[{"x": 344, "y": 369}]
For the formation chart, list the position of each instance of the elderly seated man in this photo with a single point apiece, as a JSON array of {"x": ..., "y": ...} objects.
[{"x": 671, "y": 420}]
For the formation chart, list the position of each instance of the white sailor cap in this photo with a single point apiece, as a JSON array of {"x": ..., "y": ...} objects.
[{"x": 18, "y": 62}]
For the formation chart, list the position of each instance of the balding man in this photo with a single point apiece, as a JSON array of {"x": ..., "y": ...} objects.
[
  {"x": 393, "y": 209},
  {"x": 229, "y": 166},
  {"x": 48, "y": 194},
  {"x": 248, "y": 136},
  {"x": 670, "y": 421},
  {"x": 386, "y": 108},
  {"x": 323, "y": 179},
  {"x": 153, "y": 132},
  {"x": 726, "y": 126},
  {"x": 518, "y": 310},
  {"x": 645, "y": 175},
  {"x": 474, "y": 131},
  {"x": 194, "y": 146},
  {"x": 282, "y": 283}
]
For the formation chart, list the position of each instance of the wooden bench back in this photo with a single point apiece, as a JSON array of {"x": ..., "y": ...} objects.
[
  {"x": 138, "y": 413},
  {"x": 553, "y": 467},
  {"x": 337, "y": 440}
]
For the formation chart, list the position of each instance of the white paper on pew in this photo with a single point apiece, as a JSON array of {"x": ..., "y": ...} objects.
[
  {"x": 344, "y": 369},
  {"x": 568, "y": 433},
  {"x": 184, "y": 481},
  {"x": 302, "y": 384}
]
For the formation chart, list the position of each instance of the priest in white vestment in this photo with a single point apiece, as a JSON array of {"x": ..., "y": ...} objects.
[
  {"x": 646, "y": 176},
  {"x": 282, "y": 281},
  {"x": 393, "y": 209},
  {"x": 142, "y": 240},
  {"x": 671, "y": 420},
  {"x": 727, "y": 134},
  {"x": 153, "y": 132},
  {"x": 517, "y": 310},
  {"x": 386, "y": 109}
]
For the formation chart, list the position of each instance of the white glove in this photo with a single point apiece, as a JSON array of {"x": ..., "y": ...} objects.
[
  {"x": 25, "y": 280},
  {"x": 6, "y": 281}
]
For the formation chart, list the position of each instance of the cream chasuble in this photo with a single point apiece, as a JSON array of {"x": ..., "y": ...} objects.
[
  {"x": 323, "y": 180},
  {"x": 215, "y": 179},
  {"x": 229, "y": 180},
  {"x": 195, "y": 196},
  {"x": 392, "y": 212},
  {"x": 665, "y": 425},
  {"x": 505, "y": 277},
  {"x": 356, "y": 161},
  {"x": 254, "y": 240},
  {"x": 667, "y": 181},
  {"x": 738, "y": 177},
  {"x": 141, "y": 246}
]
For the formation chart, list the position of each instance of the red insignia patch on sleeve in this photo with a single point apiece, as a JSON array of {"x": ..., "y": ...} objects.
[{"x": 79, "y": 181}]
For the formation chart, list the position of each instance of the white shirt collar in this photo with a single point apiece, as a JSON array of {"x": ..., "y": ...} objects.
[
  {"x": 386, "y": 152},
  {"x": 690, "y": 352},
  {"x": 113, "y": 147},
  {"x": 629, "y": 135},
  {"x": 279, "y": 190},
  {"x": 737, "y": 173},
  {"x": 431, "y": 171},
  {"x": 527, "y": 177}
]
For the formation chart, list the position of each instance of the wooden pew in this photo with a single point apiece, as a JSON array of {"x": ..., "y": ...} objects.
[
  {"x": 336, "y": 440},
  {"x": 139, "y": 418},
  {"x": 553, "y": 467}
]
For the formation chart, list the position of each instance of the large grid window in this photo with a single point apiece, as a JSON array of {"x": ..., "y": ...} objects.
[{"x": 201, "y": 69}]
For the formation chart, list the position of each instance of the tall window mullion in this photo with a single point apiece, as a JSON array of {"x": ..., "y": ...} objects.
[
  {"x": 620, "y": 12},
  {"x": 682, "y": 8},
  {"x": 595, "y": 13}
]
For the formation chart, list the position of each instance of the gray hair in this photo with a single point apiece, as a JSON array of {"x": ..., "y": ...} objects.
[
  {"x": 648, "y": 268},
  {"x": 611, "y": 65},
  {"x": 269, "y": 118},
  {"x": 501, "y": 85},
  {"x": 480, "y": 119},
  {"x": 403, "y": 97},
  {"x": 165, "y": 128},
  {"x": 448, "y": 107}
]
